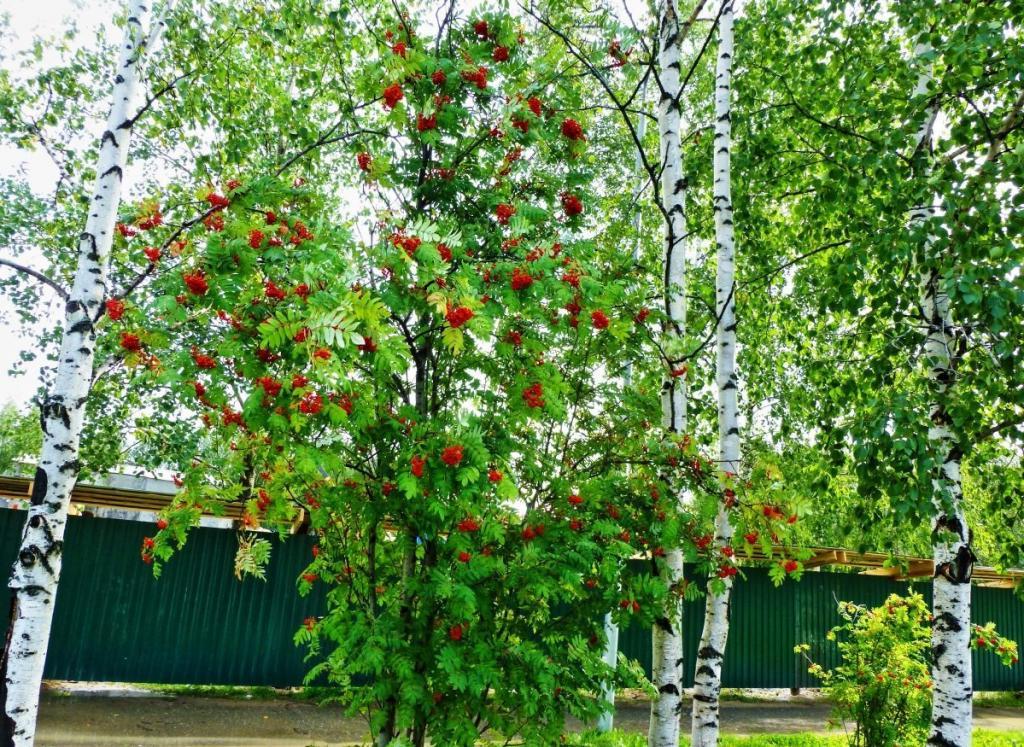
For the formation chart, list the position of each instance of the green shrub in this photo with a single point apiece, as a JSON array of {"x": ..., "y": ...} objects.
[{"x": 883, "y": 684}]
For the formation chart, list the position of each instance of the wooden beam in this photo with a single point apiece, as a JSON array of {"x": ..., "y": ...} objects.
[
  {"x": 822, "y": 558},
  {"x": 100, "y": 496},
  {"x": 919, "y": 569},
  {"x": 119, "y": 494},
  {"x": 999, "y": 583}
]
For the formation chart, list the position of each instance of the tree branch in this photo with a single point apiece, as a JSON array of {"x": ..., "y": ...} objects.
[
  {"x": 326, "y": 139},
  {"x": 795, "y": 260},
  {"x": 143, "y": 274},
  {"x": 1008, "y": 125},
  {"x": 648, "y": 166},
  {"x": 44, "y": 279},
  {"x": 993, "y": 430}
]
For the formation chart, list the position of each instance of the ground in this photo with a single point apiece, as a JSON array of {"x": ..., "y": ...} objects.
[{"x": 142, "y": 719}]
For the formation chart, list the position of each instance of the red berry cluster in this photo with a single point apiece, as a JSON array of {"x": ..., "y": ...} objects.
[
  {"x": 452, "y": 455},
  {"x": 572, "y": 130},
  {"x": 533, "y": 395},
  {"x": 571, "y": 204},
  {"x": 392, "y": 95},
  {"x": 521, "y": 280},
  {"x": 458, "y": 316}
]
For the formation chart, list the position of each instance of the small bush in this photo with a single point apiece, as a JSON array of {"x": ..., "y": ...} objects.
[
  {"x": 883, "y": 684},
  {"x": 884, "y": 681}
]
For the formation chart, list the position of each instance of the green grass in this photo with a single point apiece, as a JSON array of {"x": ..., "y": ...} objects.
[
  {"x": 745, "y": 696},
  {"x": 215, "y": 691},
  {"x": 619, "y": 739},
  {"x": 999, "y": 700},
  {"x": 312, "y": 694},
  {"x": 998, "y": 739}
]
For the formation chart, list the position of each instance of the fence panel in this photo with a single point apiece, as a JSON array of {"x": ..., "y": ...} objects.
[{"x": 196, "y": 624}]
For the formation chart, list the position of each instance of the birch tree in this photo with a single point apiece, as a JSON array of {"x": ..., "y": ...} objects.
[
  {"x": 902, "y": 356},
  {"x": 667, "y": 633},
  {"x": 711, "y": 651},
  {"x": 675, "y": 352},
  {"x": 944, "y": 348},
  {"x": 952, "y": 691},
  {"x": 36, "y": 571}
]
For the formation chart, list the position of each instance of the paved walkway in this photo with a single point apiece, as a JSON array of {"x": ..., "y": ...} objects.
[{"x": 68, "y": 721}]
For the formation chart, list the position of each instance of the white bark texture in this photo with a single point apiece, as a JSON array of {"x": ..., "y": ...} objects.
[
  {"x": 707, "y": 681},
  {"x": 36, "y": 571},
  {"x": 952, "y": 707},
  {"x": 611, "y": 657},
  {"x": 667, "y": 634},
  {"x": 951, "y": 544}
]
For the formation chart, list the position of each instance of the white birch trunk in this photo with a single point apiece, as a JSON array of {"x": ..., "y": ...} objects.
[
  {"x": 36, "y": 571},
  {"x": 707, "y": 681},
  {"x": 667, "y": 633},
  {"x": 952, "y": 693},
  {"x": 952, "y": 707},
  {"x": 611, "y": 657}
]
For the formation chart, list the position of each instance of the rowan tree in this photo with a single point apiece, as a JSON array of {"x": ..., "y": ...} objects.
[{"x": 430, "y": 392}]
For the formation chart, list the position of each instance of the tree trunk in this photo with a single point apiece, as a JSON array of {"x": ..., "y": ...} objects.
[
  {"x": 387, "y": 731},
  {"x": 666, "y": 634},
  {"x": 952, "y": 707},
  {"x": 952, "y": 693},
  {"x": 36, "y": 571},
  {"x": 707, "y": 681},
  {"x": 611, "y": 657}
]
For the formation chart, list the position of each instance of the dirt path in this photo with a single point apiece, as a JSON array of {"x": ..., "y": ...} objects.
[{"x": 68, "y": 721}]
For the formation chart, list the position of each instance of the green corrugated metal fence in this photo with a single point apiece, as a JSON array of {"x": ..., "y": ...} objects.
[
  {"x": 197, "y": 624},
  {"x": 767, "y": 622}
]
